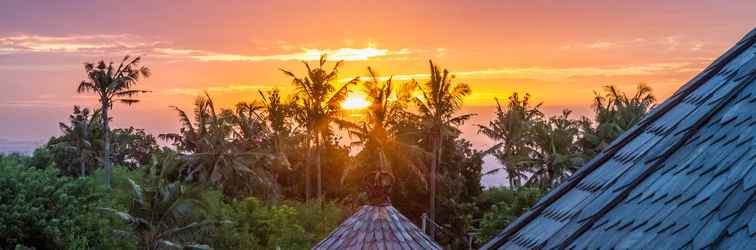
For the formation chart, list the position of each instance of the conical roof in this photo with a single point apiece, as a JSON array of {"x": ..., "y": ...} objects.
[
  {"x": 683, "y": 178},
  {"x": 379, "y": 228}
]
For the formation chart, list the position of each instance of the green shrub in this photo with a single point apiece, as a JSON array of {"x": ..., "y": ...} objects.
[
  {"x": 44, "y": 211},
  {"x": 505, "y": 205},
  {"x": 287, "y": 225}
]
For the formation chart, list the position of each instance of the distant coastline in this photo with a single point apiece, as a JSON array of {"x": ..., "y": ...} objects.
[{"x": 19, "y": 146}]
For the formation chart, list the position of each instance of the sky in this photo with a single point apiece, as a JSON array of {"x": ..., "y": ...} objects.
[{"x": 558, "y": 51}]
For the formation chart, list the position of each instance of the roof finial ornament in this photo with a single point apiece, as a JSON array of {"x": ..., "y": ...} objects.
[{"x": 379, "y": 188}]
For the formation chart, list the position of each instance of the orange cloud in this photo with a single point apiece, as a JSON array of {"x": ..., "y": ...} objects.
[
  {"x": 346, "y": 54},
  {"x": 125, "y": 44},
  {"x": 547, "y": 73},
  {"x": 219, "y": 89},
  {"x": 73, "y": 44}
]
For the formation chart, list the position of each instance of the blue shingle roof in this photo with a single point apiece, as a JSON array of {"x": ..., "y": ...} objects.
[{"x": 682, "y": 178}]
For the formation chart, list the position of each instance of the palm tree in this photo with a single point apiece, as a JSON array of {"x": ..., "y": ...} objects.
[
  {"x": 439, "y": 101},
  {"x": 557, "y": 155},
  {"x": 513, "y": 128},
  {"x": 163, "y": 215},
  {"x": 377, "y": 133},
  {"x": 275, "y": 113},
  {"x": 615, "y": 113},
  {"x": 319, "y": 103},
  {"x": 113, "y": 84},
  {"x": 79, "y": 136},
  {"x": 219, "y": 150}
]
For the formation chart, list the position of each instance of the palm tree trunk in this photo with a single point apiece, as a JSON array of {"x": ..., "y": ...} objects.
[
  {"x": 381, "y": 160},
  {"x": 81, "y": 164},
  {"x": 106, "y": 141},
  {"x": 317, "y": 165},
  {"x": 308, "y": 155},
  {"x": 434, "y": 169}
]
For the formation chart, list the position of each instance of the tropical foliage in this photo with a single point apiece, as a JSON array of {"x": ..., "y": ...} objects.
[
  {"x": 377, "y": 132},
  {"x": 537, "y": 150},
  {"x": 244, "y": 177},
  {"x": 287, "y": 225},
  {"x": 222, "y": 148},
  {"x": 78, "y": 144},
  {"x": 112, "y": 84},
  {"x": 44, "y": 211},
  {"x": 439, "y": 101},
  {"x": 503, "y": 205},
  {"x": 318, "y": 105},
  {"x": 615, "y": 112},
  {"x": 76, "y": 152},
  {"x": 164, "y": 215}
]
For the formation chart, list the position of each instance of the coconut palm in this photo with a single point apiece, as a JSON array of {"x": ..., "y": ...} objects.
[
  {"x": 113, "y": 84},
  {"x": 275, "y": 112},
  {"x": 615, "y": 113},
  {"x": 164, "y": 215},
  {"x": 377, "y": 132},
  {"x": 557, "y": 155},
  {"x": 79, "y": 136},
  {"x": 319, "y": 103},
  {"x": 217, "y": 150},
  {"x": 439, "y": 101},
  {"x": 513, "y": 129}
]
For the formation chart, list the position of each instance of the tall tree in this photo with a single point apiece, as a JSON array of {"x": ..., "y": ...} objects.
[
  {"x": 220, "y": 150},
  {"x": 377, "y": 131},
  {"x": 165, "y": 215},
  {"x": 79, "y": 137},
  {"x": 275, "y": 114},
  {"x": 319, "y": 100},
  {"x": 76, "y": 151},
  {"x": 557, "y": 154},
  {"x": 113, "y": 84},
  {"x": 615, "y": 112},
  {"x": 439, "y": 101},
  {"x": 513, "y": 129}
]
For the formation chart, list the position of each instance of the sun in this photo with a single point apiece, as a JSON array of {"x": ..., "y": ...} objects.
[{"x": 355, "y": 101}]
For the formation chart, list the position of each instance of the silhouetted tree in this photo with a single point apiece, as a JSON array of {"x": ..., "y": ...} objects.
[
  {"x": 438, "y": 104},
  {"x": 112, "y": 84},
  {"x": 217, "y": 150},
  {"x": 614, "y": 113},
  {"x": 78, "y": 139},
  {"x": 319, "y": 102}
]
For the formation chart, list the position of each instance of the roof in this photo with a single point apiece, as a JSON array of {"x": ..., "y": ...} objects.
[
  {"x": 379, "y": 228},
  {"x": 682, "y": 178}
]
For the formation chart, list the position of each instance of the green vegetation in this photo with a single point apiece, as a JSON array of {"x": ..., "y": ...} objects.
[
  {"x": 112, "y": 84},
  {"x": 288, "y": 224},
  {"x": 503, "y": 205},
  {"x": 43, "y": 210},
  {"x": 275, "y": 174}
]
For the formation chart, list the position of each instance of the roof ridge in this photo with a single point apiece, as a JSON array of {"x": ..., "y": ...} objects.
[{"x": 699, "y": 80}]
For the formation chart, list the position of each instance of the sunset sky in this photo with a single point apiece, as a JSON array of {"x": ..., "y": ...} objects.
[{"x": 559, "y": 51}]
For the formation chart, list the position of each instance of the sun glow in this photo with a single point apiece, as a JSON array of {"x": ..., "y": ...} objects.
[{"x": 354, "y": 102}]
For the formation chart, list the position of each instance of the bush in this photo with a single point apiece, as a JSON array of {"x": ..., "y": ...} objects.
[
  {"x": 44, "y": 211},
  {"x": 505, "y": 205},
  {"x": 288, "y": 225}
]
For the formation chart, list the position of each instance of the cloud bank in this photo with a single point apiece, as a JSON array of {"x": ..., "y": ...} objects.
[{"x": 120, "y": 44}]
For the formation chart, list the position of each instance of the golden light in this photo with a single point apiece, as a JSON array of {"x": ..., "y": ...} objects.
[{"x": 355, "y": 101}]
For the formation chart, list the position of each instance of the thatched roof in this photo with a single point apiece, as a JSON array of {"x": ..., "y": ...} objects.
[{"x": 682, "y": 178}]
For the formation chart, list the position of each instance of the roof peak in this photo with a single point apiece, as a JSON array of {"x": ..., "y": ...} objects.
[{"x": 380, "y": 227}]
